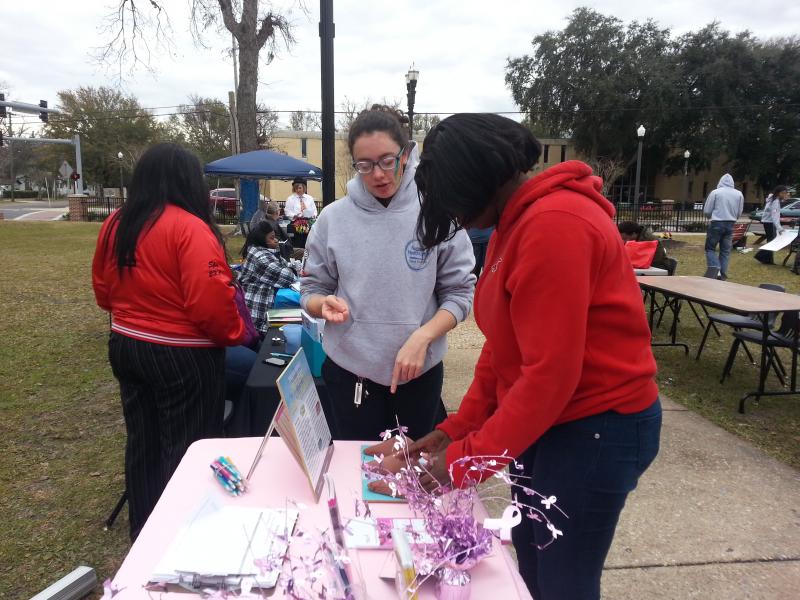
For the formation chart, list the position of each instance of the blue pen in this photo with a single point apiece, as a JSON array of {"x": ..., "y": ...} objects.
[{"x": 281, "y": 355}]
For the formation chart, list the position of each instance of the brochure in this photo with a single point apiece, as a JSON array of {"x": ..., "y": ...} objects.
[{"x": 301, "y": 423}]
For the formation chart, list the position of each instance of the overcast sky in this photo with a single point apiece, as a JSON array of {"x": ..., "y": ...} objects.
[{"x": 460, "y": 48}]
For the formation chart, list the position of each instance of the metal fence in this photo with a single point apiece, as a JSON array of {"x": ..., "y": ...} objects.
[
  {"x": 663, "y": 218},
  {"x": 93, "y": 209}
]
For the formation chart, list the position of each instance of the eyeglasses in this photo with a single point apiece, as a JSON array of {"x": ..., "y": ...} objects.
[{"x": 386, "y": 163}]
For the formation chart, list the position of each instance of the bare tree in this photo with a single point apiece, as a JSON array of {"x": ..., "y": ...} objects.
[
  {"x": 266, "y": 124},
  {"x": 304, "y": 121},
  {"x": 608, "y": 169},
  {"x": 136, "y": 25},
  {"x": 350, "y": 109}
]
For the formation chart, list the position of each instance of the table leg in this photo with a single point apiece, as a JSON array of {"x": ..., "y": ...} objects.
[
  {"x": 764, "y": 371},
  {"x": 675, "y": 306},
  {"x": 795, "y": 342}
]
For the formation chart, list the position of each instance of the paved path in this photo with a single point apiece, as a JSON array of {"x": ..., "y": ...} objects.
[{"x": 713, "y": 518}]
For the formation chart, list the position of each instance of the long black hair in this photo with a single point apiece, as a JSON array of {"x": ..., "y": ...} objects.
[
  {"x": 258, "y": 236},
  {"x": 165, "y": 174},
  {"x": 465, "y": 159}
]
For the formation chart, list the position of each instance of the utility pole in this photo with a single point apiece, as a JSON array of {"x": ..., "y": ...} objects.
[{"x": 327, "y": 31}]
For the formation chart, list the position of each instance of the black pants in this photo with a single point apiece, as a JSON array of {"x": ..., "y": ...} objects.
[
  {"x": 171, "y": 397},
  {"x": 416, "y": 404},
  {"x": 765, "y": 256}
]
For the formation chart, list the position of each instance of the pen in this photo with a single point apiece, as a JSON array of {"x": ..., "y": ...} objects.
[
  {"x": 226, "y": 471},
  {"x": 281, "y": 355},
  {"x": 336, "y": 523},
  {"x": 228, "y": 463},
  {"x": 231, "y": 483},
  {"x": 225, "y": 483}
]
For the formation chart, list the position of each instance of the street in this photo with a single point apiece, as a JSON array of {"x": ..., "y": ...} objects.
[{"x": 33, "y": 210}]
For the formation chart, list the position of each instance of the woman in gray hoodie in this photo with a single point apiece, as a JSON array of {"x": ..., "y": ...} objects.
[{"x": 388, "y": 302}]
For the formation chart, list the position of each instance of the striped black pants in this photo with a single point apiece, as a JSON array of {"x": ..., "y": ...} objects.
[{"x": 171, "y": 397}]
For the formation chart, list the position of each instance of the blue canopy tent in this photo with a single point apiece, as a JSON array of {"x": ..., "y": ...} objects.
[{"x": 260, "y": 164}]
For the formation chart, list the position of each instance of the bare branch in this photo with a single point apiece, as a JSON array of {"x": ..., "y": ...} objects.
[{"x": 134, "y": 29}]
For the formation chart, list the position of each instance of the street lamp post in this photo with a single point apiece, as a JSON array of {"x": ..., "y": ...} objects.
[
  {"x": 640, "y": 133},
  {"x": 121, "y": 188},
  {"x": 686, "y": 156},
  {"x": 411, "y": 89}
]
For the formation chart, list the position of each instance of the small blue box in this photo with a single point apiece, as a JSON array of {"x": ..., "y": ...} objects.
[{"x": 315, "y": 355}]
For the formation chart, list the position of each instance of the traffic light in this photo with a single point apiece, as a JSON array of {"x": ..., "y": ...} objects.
[
  {"x": 2, "y": 107},
  {"x": 43, "y": 114}
]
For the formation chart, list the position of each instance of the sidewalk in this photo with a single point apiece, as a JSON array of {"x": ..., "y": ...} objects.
[{"x": 713, "y": 518}]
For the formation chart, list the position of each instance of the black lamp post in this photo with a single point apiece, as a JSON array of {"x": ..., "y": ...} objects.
[
  {"x": 121, "y": 187},
  {"x": 686, "y": 156},
  {"x": 411, "y": 88},
  {"x": 639, "y": 132}
]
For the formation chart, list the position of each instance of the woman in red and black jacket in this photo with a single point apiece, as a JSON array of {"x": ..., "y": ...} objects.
[
  {"x": 160, "y": 270},
  {"x": 565, "y": 381}
]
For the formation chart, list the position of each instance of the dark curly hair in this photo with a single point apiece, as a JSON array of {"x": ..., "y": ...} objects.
[
  {"x": 465, "y": 159},
  {"x": 380, "y": 117}
]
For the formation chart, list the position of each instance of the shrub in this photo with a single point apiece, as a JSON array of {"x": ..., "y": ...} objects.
[
  {"x": 20, "y": 194},
  {"x": 695, "y": 226}
]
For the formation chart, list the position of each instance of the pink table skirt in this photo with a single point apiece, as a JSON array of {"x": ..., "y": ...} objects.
[{"x": 277, "y": 478}]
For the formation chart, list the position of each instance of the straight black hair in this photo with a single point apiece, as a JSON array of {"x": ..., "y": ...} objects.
[
  {"x": 465, "y": 160},
  {"x": 257, "y": 237},
  {"x": 379, "y": 118},
  {"x": 165, "y": 174}
]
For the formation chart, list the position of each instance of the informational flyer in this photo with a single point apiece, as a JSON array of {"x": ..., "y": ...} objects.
[{"x": 302, "y": 425}]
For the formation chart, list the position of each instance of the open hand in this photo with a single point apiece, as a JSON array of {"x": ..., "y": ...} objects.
[{"x": 334, "y": 309}]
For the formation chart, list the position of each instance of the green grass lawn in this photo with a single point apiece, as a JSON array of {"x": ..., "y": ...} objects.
[
  {"x": 61, "y": 430},
  {"x": 774, "y": 423}
]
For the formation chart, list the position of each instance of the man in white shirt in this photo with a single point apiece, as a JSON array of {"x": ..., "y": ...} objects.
[{"x": 300, "y": 204}]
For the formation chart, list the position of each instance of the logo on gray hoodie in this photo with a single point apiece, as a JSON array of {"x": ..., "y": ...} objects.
[{"x": 416, "y": 256}]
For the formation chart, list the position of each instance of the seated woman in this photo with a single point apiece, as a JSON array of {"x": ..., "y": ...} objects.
[
  {"x": 264, "y": 272},
  {"x": 633, "y": 232}
]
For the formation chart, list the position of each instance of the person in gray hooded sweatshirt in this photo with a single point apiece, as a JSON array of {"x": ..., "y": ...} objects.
[
  {"x": 723, "y": 206},
  {"x": 387, "y": 301}
]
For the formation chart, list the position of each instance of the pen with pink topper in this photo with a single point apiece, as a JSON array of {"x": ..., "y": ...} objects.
[{"x": 338, "y": 533}]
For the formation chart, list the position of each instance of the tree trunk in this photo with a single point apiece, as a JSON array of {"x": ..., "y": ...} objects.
[{"x": 246, "y": 95}]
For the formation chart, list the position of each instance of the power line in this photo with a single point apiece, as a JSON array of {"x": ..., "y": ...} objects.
[{"x": 143, "y": 113}]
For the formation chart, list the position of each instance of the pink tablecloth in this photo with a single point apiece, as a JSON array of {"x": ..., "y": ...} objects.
[{"x": 277, "y": 478}]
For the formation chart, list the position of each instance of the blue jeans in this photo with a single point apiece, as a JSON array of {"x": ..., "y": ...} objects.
[
  {"x": 590, "y": 465},
  {"x": 719, "y": 232},
  {"x": 239, "y": 360}
]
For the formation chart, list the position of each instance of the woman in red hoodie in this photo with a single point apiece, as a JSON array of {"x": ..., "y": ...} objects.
[
  {"x": 565, "y": 381},
  {"x": 160, "y": 270}
]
